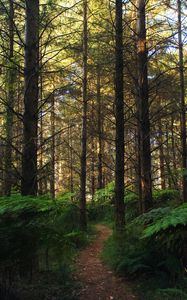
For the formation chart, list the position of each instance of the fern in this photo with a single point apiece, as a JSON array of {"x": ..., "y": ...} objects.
[
  {"x": 106, "y": 194},
  {"x": 29, "y": 226},
  {"x": 171, "y": 218},
  {"x": 162, "y": 196},
  {"x": 152, "y": 216}
]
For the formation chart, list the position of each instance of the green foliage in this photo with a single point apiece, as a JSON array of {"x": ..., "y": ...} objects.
[
  {"x": 167, "y": 226},
  {"x": 39, "y": 240},
  {"x": 38, "y": 235},
  {"x": 171, "y": 293},
  {"x": 17, "y": 205},
  {"x": 152, "y": 216},
  {"x": 169, "y": 231},
  {"x": 106, "y": 194},
  {"x": 102, "y": 208},
  {"x": 124, "y": 255},
  {"x": 132, "y": 206},
  {"x": 65, "y": 197},
  {"x": 162, "y": 196},
  {"x": 157, "y": 288},
  {"x": 153, "y": 246},
  {"x": 182, "y": 172},
  {"x": 131, "y": 197},
  {"x": 169, "y": 219},
  {"x": 98, "y": 212}
]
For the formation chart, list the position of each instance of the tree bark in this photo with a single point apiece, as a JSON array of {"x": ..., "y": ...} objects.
[
  {"x": 182, "y": 104},
  {"x": 100, "y": 152},
  {"x": 161, "y": 156},
  {"x": 30, "y": 118},
  {"x": 119, "y": 104},
  {"x": 10, "y": 105},
  {"x": 40, "y": 181},
  {"x": 174, "y": 154},
  {"x": 92, "y": 167},
  {"x": 71, "y": 183},
  {"x": 143, "y": 107},
  {"x": 138, "y": 168},
  {"x": 83, "y": 219},
  {"x": 52, "y": 169},
  {"x": 93, "y": 170}
]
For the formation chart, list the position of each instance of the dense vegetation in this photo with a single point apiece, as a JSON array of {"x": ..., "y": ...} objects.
[
  {"x": 39, "y": 241},
  {"x": 152, "y": 249},
  {"x": 41, "y": 237},
  {"x": 92, "y": 129}
]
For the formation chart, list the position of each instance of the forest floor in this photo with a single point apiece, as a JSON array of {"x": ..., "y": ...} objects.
[{"x": 97, "y": 281}]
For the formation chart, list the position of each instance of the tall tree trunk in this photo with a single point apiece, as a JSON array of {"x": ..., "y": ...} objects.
[
  {"x": 168, "y": 159},
  {"x": 138, "y": 168},
  {"x": 137, "y": 133},
  {"x": 71, "y": 183},
  {"x": 52, "y": 169},
  {"x": 183, "y": 106},
  {"x": 92, "y": 169},
  {"x": 40, "y": 181},
  {"x": 161, "y": 156},
  {"x": 143, "y": 107},
  {"x": 174, "y": 154},
  {"x": 30, "y": 118},
  {"x": 10, "y": 105},
  {"x": 18, "y": 126},
  {"x": 100, "y": 125},
  {"x": 119, "y": 104},
  {"x": 83, "y": 219}
]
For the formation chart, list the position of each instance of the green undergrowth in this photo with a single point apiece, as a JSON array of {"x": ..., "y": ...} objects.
[
  {"x": 166, "y": 197},
  {"x": 40, "y": 239},
  {"x": 157, "y": 288},
  {"x": 152, "y": 251},
  {"x": 101, "y": 209}
]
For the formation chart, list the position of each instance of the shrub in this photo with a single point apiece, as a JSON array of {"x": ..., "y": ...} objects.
[
  {"x": 162, "y": 196},
  {"x": 132, "y": 205},
  {"x": 170, "y": 233},
  {"x": 98, "y": 212},
  {"x": 102, "y": 208},
  {"x": 154, "y": 243},
  {"x": 131, "y": 197},
  {"x": 37, "y": 234},
  {"x": 105, "y": 194}
]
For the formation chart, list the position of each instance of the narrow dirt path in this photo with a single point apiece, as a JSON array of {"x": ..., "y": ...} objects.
[{"x": 97, "y": 281}]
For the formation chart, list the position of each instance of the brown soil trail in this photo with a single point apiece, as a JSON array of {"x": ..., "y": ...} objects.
[{"x": 97, "y": 281}]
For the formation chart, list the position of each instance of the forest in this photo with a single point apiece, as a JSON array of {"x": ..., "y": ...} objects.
[{"x": 93, "y": 150}]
